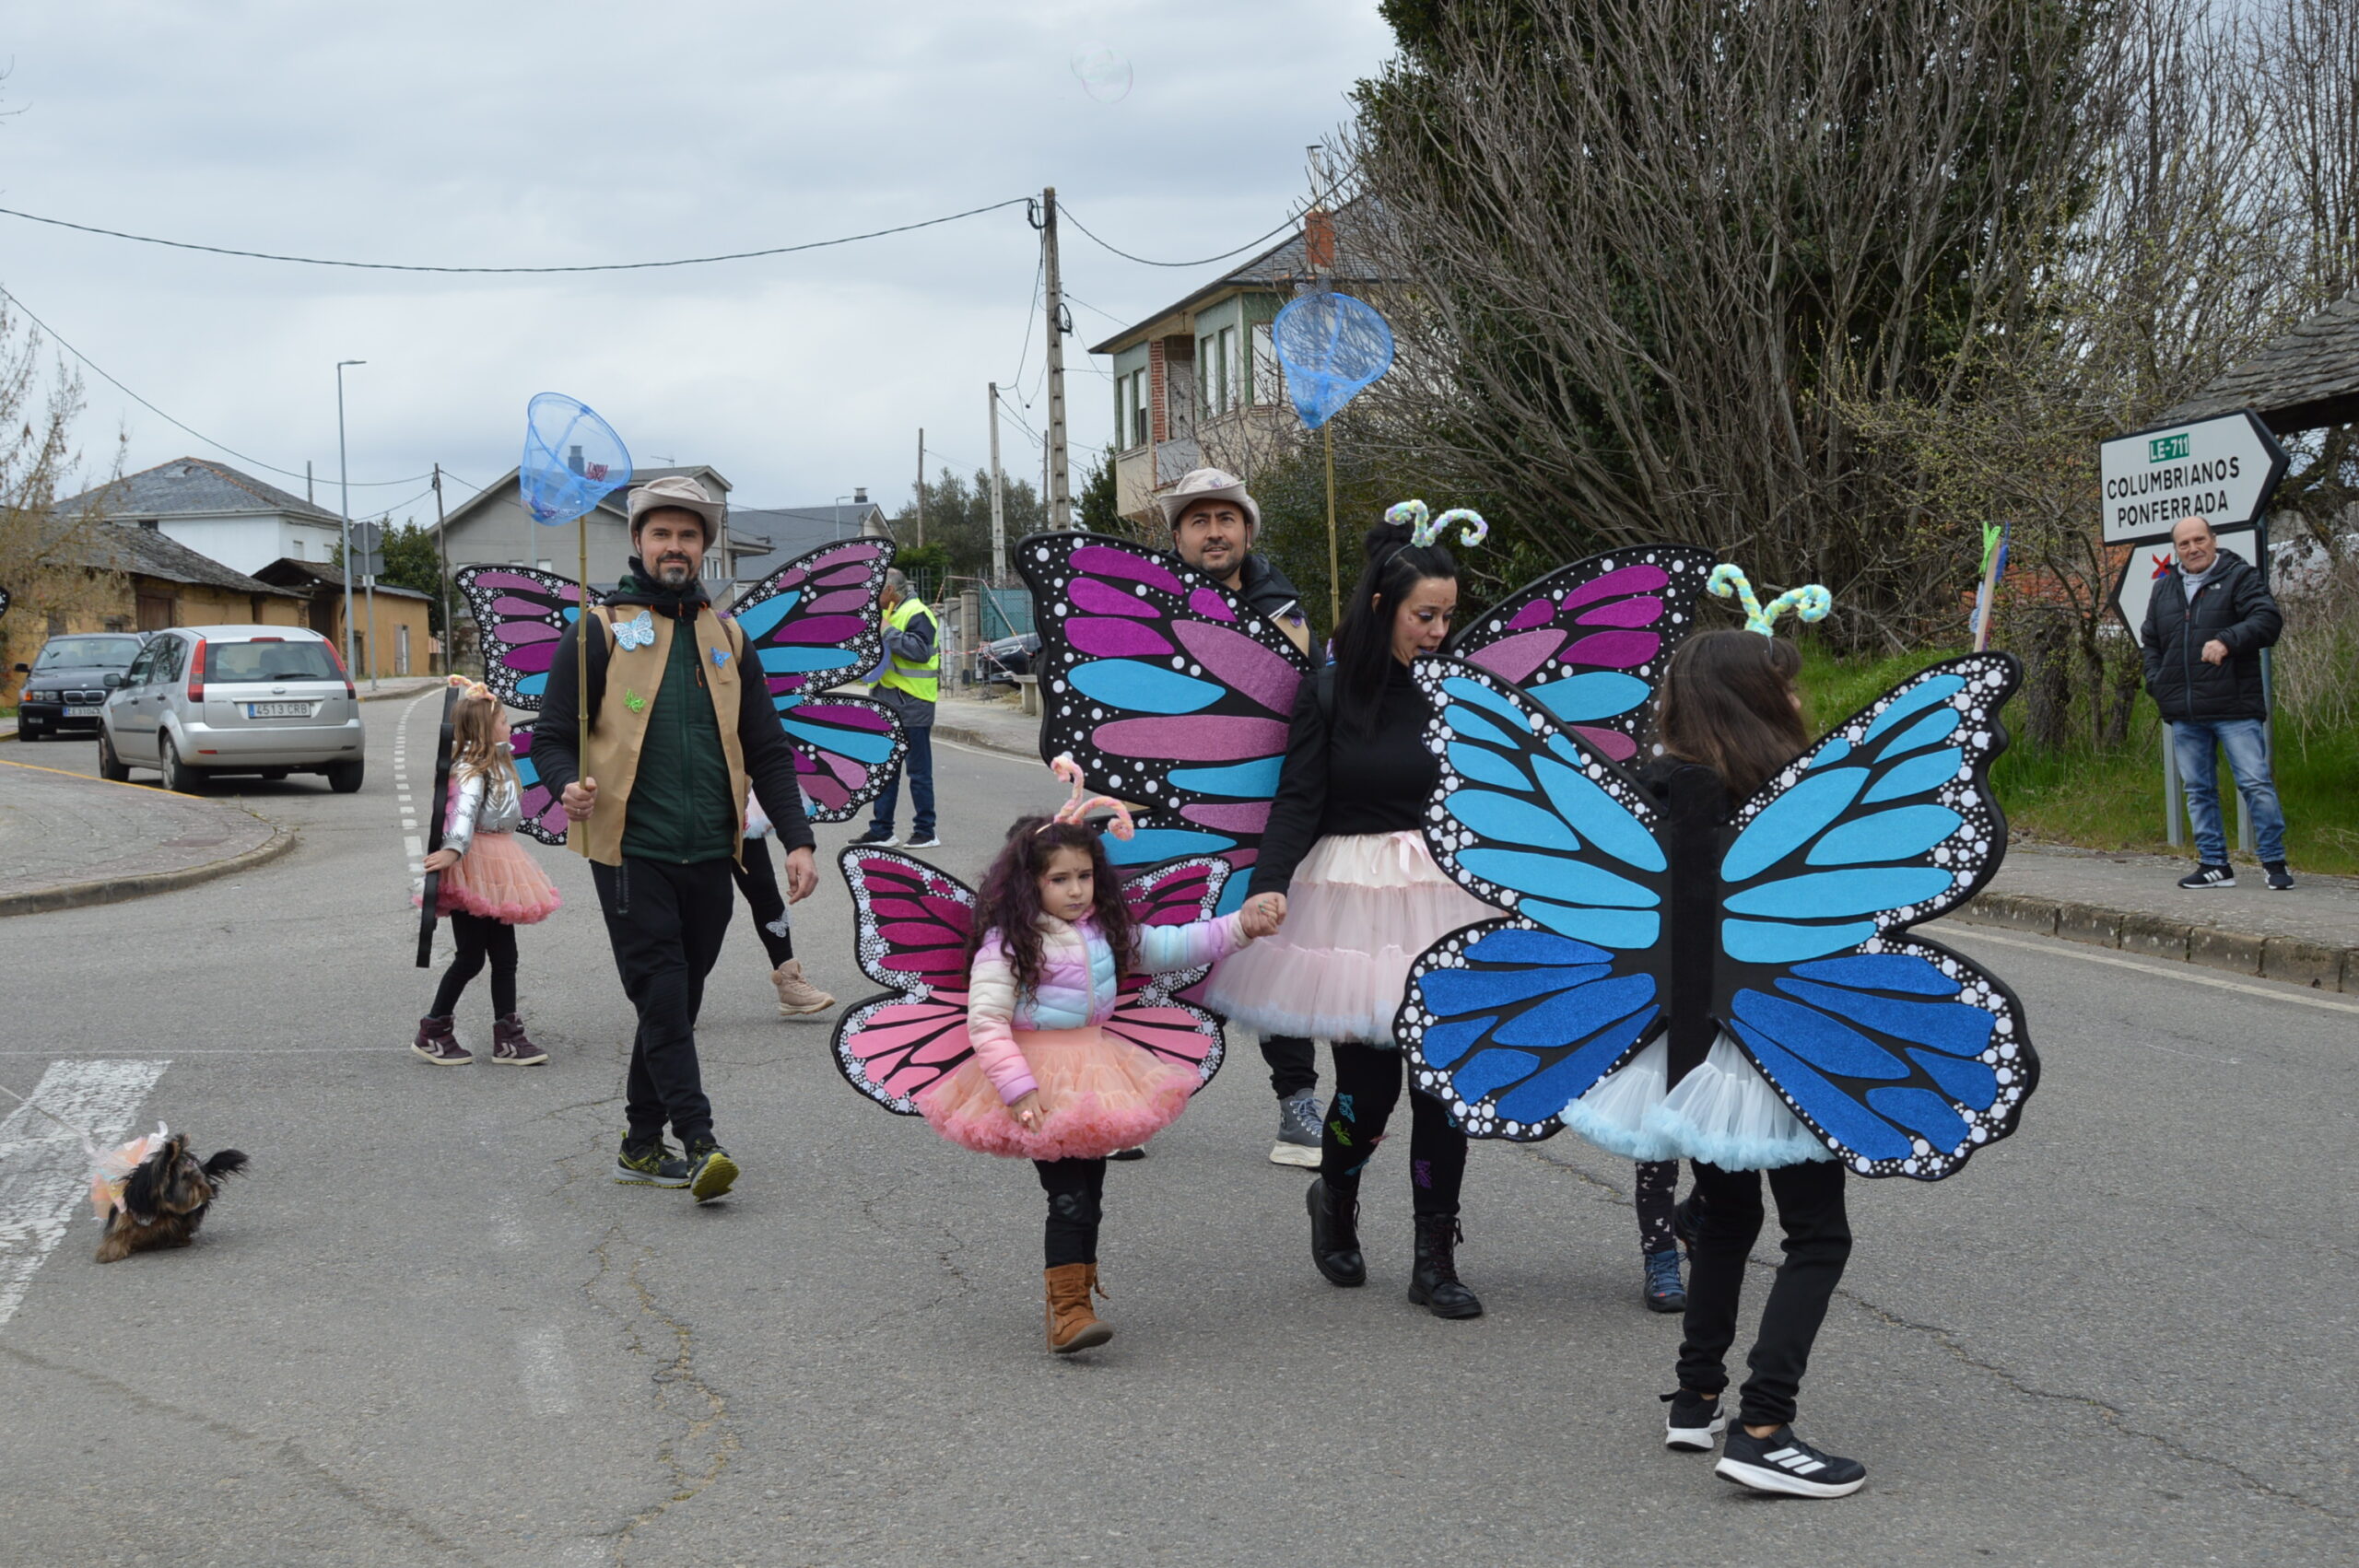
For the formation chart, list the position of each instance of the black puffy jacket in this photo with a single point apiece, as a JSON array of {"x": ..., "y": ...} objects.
[{"x": 2233, "y": 605}]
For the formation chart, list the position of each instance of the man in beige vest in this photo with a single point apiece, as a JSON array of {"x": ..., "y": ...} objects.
[{"x": 679, "y": 730}]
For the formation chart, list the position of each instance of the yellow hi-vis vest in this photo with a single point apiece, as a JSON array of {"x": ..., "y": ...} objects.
[{"x": 922, "y": 682}]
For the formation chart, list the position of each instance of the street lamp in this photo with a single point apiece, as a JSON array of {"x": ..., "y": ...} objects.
[{"x": 344, "y": 485}]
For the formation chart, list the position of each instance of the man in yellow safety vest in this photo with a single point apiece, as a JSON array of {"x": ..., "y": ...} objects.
[{"x": 910, "y": 683}]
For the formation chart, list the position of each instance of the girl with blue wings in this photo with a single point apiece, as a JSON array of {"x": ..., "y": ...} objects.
[{"x": 1344, "y": 847}]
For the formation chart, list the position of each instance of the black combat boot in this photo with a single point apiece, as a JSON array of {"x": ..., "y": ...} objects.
[
  {"x": 1335, "y": 1235},
  {"x": 1435, "y": 1285}
]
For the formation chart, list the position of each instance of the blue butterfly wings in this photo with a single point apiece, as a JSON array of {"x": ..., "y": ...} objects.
[{"x": 1902, "y": 1057}]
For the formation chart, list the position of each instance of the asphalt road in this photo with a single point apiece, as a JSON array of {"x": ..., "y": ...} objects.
[{"x": 428, "y": 1328}]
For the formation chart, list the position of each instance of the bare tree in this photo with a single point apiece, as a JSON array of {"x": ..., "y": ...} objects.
[{"x": 41, "y": 554}]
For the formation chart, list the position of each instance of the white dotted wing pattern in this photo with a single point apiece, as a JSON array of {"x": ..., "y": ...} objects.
[{"x": 1901, "y": 1056}]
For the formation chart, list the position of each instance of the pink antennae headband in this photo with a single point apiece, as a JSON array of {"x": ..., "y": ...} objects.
[{"x": 1078, "y": 808}]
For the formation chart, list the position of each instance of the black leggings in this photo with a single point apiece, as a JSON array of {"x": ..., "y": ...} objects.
[
  {"x": 1076, "y": 1190},
  {"x": 1367, "y": 1085},
  {"x": 1658, "y": 1195},
  {"x": 479, "y": 937},
  {"x": 1818, "y": 1242},
  {"x": 757, "y": 879}
]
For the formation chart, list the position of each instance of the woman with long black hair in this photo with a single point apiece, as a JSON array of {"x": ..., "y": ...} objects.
[{"x": 1344, "y": 847}]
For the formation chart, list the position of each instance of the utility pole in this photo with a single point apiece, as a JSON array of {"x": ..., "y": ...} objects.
[
  {"x": 999, "y": 505},
  {"x": 1055, "y": 487},
  {"x": 920, "y": 486},
  {"x": 344, "y": 508},
  {"x": 382, "y": 528},
  {"x": 442, "y": 551}
]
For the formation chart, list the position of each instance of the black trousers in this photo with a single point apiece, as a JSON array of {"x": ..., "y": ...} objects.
[
  {"x": 479, "y": 938},
  {"x": 757, "y": 879},
  {"x": 1658, "y": 1195},
  {"x": 665, "y": 924},
  {"x": 1076, "y": 1190},
  {"x": 1367, "y": 1085},
  {"x": 1293, "y": 1064},
  {"x": 1818, "y": 1242}
]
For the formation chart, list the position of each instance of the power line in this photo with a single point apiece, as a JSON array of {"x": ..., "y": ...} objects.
[
  {"x": 101, "y": 372},
  {"x": 601, "y": 266}
]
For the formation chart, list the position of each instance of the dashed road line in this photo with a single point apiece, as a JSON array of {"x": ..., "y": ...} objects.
[{"x": 43, "y": 1172}]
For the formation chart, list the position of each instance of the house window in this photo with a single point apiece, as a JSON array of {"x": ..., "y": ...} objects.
[
  {"x": 1269, "y": 384},
  {"x": 1140, "y": 410},
  {"x": 1232, "y": 372},
  {"x": 1213, "y": 359}
]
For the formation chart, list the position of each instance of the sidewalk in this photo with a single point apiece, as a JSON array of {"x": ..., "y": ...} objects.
[
  {"x": 66, "y": 840},
  {"x": 2309, "y": 937}
]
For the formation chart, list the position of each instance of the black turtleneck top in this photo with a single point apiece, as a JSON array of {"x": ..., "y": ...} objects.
[{"x": 1337, "y": 781}]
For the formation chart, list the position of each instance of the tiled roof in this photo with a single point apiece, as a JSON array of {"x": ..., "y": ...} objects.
[
  {"x": 190, "y": 485},
  {"x": 2307, "y": 378},
  {"x": 1280, "y": 266},
  {"x": 794, "y": 530},
  {"x": 287, "y": 572},
  {"x": 127, "y": 548}
]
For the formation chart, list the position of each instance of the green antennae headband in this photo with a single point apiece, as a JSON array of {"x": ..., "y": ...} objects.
[{"x": 1811, "y": 602}]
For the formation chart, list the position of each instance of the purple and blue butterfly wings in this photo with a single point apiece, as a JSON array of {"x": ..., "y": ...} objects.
[
  {"x": 1168, "y": 692},
  {"x": 522, "y": 614},
  {"x": 1902, "y": 1057}
]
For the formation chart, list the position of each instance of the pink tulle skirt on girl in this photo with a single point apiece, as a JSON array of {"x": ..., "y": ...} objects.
[
  {"x": 1103, "y": 1093},
  {"x": 496, "y": 879}
]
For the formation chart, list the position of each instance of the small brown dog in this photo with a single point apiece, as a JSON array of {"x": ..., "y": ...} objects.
[{"x": 164, "y": 1199}]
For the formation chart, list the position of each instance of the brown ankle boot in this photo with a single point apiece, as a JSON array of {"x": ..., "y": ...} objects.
[
  {"x": 512, "y": 1047},
  {"x": 1072, "y": 1326}
]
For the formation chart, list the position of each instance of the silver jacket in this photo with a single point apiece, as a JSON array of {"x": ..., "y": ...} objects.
[{"x": 484, "y": 806}]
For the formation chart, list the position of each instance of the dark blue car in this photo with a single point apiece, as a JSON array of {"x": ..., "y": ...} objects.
[{"x": 67, "y": 683}]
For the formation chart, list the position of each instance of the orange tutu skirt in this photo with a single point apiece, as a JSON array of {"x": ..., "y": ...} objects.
[
  {"x": 1102, "y": 1095},
  {"x": 497, "y": 880}
]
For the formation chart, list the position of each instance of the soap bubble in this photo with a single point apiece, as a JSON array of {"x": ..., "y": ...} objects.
[{"x": 1104, "y": 74}]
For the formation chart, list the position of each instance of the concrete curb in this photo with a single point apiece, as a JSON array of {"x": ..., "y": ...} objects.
[
  {"x": 2290, "y": 959},
  {"x": 114, "y": 890}
]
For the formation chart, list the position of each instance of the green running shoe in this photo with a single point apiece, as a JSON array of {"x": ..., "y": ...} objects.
[
  {"x": 654, "y": 1165},
  {"x": 710, "y": 1170}
]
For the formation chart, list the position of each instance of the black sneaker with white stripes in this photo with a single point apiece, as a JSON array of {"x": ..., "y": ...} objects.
[
  {"x": 1784, "y": 1464},
  {"x": 2209, "y": 876},
  {"x": 1694, "y": 1422}
]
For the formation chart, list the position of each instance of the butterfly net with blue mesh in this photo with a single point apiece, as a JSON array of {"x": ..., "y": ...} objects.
[
  {"x": 1332, "y": 347},
  {"x": 572, "y": 459}
]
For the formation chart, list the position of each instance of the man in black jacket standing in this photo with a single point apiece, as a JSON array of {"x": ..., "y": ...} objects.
[
  {"x": 2210, "y": 617},
  {"x": 680, "y": 731},
  {"x": 1213, "y": 522}
]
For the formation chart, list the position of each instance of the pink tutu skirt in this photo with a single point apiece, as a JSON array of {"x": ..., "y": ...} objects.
[
  {"x": 496, "y": 878},
  {"x": 1102, "y": 1095},
  {"x": 1361, "y": 908}
]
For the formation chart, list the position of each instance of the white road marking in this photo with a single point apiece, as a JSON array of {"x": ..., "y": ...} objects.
[
  {"x": 414, "y": 845},
  {"x": 547, "y": 1373},
  {"x": 45, "y": 1175},
  {"x": 2163, "y": 968}
]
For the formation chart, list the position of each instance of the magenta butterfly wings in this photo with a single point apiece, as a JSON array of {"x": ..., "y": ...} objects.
[
  {"x": 543, "y": 812},
  {"x": 1588, "y": 641},
  {"x": 1169, "y": 693},
  {"x": 522, "y": 614},
  {"x": 914, "y": 925},
  {"x": 812, "y": 625}
]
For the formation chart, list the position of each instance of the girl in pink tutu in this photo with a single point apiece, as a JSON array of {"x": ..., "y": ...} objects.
[
  {"x": 490, "y": 885},
  {"x": 1361, "y": 898},
  {"x": 1053, "y": 941}
]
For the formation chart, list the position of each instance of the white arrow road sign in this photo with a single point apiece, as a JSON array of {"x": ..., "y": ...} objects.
[
  {"x": 2221, "y": 470},
  {"x": 2136, "y": 584}
]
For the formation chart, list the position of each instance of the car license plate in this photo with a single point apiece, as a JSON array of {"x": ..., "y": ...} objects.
[
  {"x": 81, "y": 713},
  {"x": 279, "y": 709}
]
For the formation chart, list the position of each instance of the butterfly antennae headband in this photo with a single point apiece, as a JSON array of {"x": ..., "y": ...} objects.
[
  {"x": 1811, "y": 602},
  {"x": 1078, "y": 808},
  {"x": 471, "y": 691},
  {"x": 1425, "y": 528}
]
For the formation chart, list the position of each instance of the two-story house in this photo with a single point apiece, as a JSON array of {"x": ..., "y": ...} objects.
[
  {"x": 220, "y": 513},
  {"x": 493, "y": 528},
  {"x": 1197, "y": 385}
]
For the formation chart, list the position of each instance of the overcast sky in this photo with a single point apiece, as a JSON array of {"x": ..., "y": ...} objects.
[{"x": 501, "y": 134}]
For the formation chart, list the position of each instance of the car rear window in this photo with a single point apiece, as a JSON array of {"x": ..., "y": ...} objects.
[
  {"x": 228, "y": 662},
  {"x": 88, "y": 653}
]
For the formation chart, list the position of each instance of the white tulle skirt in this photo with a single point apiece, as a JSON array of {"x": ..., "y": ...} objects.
[
  {"x": 1723, "y": 1113},
  {"x": 1360, "y": 909}
]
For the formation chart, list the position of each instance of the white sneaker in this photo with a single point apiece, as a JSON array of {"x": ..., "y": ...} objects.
[
  {"x": 875, "y": 840},
  {"x": 1297, "y": 1143}
]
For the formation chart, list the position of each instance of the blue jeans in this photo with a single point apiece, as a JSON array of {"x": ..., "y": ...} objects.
[
  {"x": 2247, "y": 748},
  {"x": 921, "y": 770}
]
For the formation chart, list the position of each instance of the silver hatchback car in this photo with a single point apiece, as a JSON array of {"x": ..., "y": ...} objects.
[{"x": 199, "y": 700}]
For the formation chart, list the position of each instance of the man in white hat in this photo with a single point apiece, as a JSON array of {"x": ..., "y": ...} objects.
[
  {"x": 679, "y": 733},
  {"x": 1213, "y": 522}
]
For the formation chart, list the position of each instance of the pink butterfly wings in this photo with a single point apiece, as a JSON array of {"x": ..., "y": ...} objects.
[
  {"x": 545, "y": 816},
  {"x": 1589, "y": 640},
  {"x": 914, "y": 923},
  {"x": 810, "y": 625},
  {"x": 522, "y": 614}
]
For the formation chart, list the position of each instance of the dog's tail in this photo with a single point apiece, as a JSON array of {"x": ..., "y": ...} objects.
[{"x": 229, "y": 1162}]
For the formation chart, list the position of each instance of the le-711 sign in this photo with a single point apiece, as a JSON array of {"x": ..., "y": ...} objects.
[{"x": 2221, "y": 470}]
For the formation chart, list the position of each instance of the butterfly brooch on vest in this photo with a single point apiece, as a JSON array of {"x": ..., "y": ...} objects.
[{"x": 636, "y": 632}]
